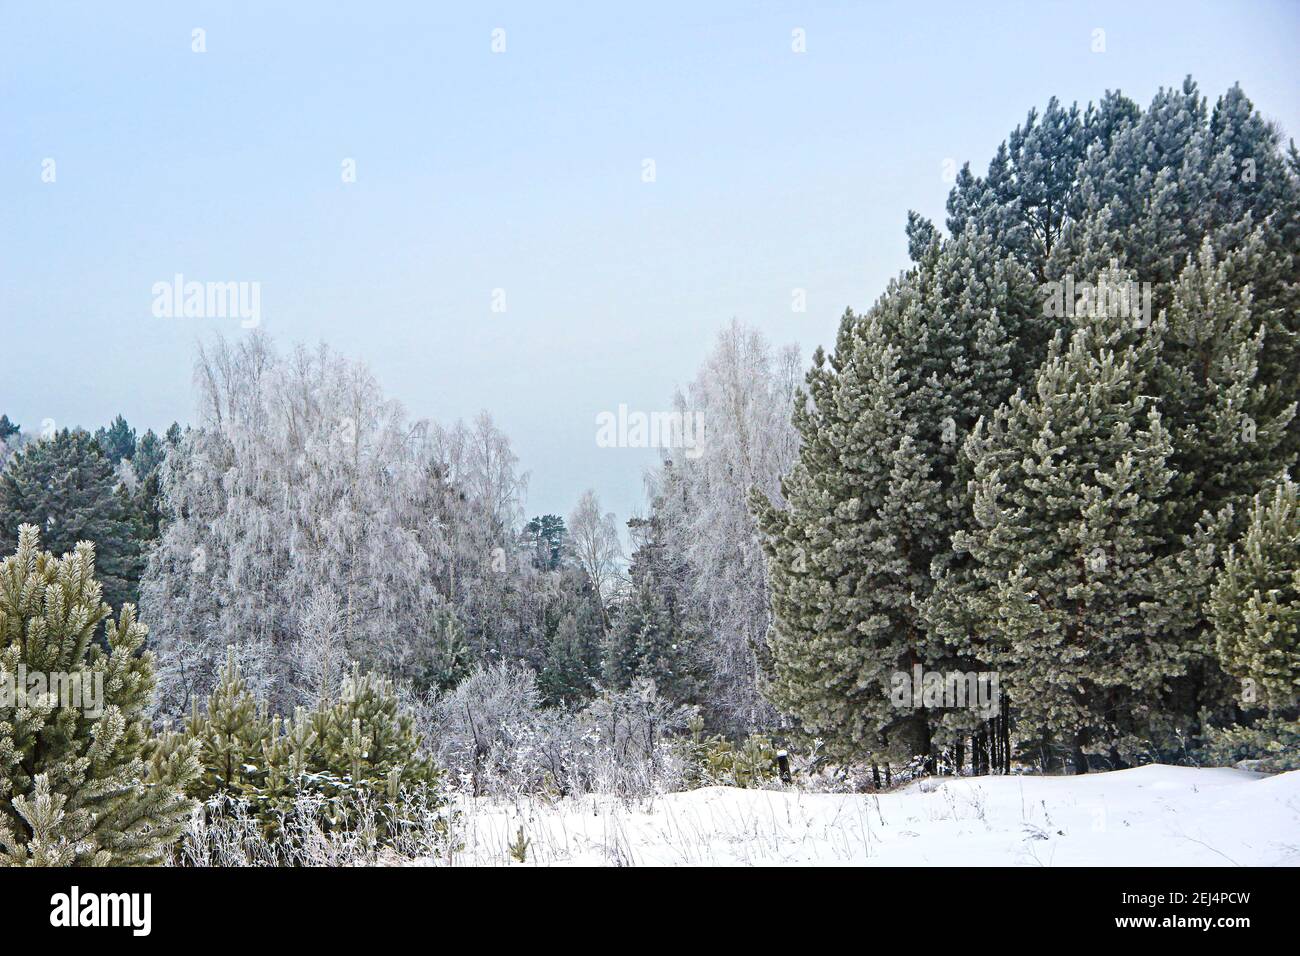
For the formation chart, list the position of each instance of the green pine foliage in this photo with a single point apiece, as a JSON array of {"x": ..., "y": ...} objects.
[
  {"x": 117, "y": 441},
  {"x": 1229, "y": 440},
  {"x": 147, "y": 464},
  {"x": 652, "y": 638},
  {"x": 80, "y": 785},
  {"x": 715, "y": 761},
  {"x": 878, "y": 491},
  {"x": 1269, "y": 744},
  {"x": 1180, "y": 175},
  {"x": 351, "y": 750},
  {"x": 1255, "y": 603},
  {"x": 572, "y": 669},
  {"x": 1071, "y": 486},
  {"x": 1032, "y": 192},
  {"x": 449, "y": 658},
  {"x": 1255, "y": 607},
  {"x": 652, "y": 642},
  {"x": 1070, "y": 536},
  {"x": 518, "y": 847},
  {"x": 840, "y": 577},
  {"x": 67, "y": 488},
  {"x": 549, "y": 539}
]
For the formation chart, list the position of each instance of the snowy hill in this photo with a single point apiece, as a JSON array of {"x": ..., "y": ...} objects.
[{"x": 1150, "y": 816}]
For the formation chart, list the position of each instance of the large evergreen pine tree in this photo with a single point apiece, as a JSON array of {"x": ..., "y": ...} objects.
[
  {"x": 1228, "y": 439},
  {"x": 841, "y": 578},
  {"x": 876, "y": 496},
  {"x": 1071, "y": 487},
  {"x": 652, "y": 639},
  {"x": 1179, "y": 176},
  {"x": 147, "y": 466}
]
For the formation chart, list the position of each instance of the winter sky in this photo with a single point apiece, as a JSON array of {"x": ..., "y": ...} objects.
[{"x": 522, "y": 170}]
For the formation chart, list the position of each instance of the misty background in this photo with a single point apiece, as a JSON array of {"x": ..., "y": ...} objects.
[{"x": 522, "y": 171}]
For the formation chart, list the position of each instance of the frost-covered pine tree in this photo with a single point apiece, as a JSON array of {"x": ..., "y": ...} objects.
[
  {"x": 1178, "y": 176},
  {"x": 1205, "y": 207},
  {"x": 82, "y": 781},
  {"x": 651, "y": 641},
  {"x": 840, "y": 577},
  {"x": 572, "y": 669},
  {"x": 355, "y": 744},
  {"x": 877, "y": 492},
  {"x": 1031, "y": 193},
  {"x": 1264, "y": 200},
  {"x": 1071, "y": 484},
  {"x": 1229, "y": 439}
]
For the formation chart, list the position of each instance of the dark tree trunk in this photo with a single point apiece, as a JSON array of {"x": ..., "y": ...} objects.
[
  {"x": 1079, "y": 758},
  {"x": 995, "y": 744},
  {"x": 927, "y": 743},
  {"x": 1116, "y": 761},
  {"x": 1006, "y": 736}
]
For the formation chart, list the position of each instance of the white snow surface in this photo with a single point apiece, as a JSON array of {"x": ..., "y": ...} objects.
[{"x": 1149, "y": 816}]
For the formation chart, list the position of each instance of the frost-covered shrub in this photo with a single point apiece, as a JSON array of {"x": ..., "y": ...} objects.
[
  {"x": 496, "y": 739},
  {"x": 638, "y": 741},
  {"x": 229, "y": 832},
  {"x": 481, "y": 722}
]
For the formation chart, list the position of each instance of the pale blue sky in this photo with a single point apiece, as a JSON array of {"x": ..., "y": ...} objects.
[{"x": 521, "y": 171}]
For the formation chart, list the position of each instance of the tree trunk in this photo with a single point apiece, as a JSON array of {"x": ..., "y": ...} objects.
[
  {"x": 1006, "y": 736},
  {"x": 927, "y": 744},
  {"x": 1116, "y": 761},
  {"x": 1079, "y": 758}
]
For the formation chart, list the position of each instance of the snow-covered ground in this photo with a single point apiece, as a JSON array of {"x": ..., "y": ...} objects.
[{"x": 1150, "y": 816}]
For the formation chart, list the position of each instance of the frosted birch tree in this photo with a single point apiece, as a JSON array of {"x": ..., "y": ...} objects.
[
  {"x": 743, "y": 394},
  {"x": 593, "y": 537},
  {"x": 302, "y": 487}
]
